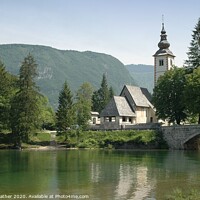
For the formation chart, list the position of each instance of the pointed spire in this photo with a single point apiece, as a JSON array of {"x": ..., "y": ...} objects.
[
  {"x": 163, "y": 44},
  {"x": 163, "y": 29}
]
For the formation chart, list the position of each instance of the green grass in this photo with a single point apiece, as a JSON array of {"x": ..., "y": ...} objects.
[
  {"x": 37, "y": 139},
  {"x": 184, "y": 195},
  {"x": 41, "y": 136}
]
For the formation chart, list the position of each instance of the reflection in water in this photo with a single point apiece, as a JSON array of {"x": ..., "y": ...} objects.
[
  {"x": 95, "y": 172},
  {"x": 126, "y": 178},
  {"x": 143, "y": 186},
  {"x": 118, "y": 175},
  {"x": 53, "y": 182}
]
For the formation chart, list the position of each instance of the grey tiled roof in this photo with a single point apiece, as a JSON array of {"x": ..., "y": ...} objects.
[
  {"x": 140, "y": 96},
  {"x": 164, "y": 52},
  {"x": 118, "y": 106}
]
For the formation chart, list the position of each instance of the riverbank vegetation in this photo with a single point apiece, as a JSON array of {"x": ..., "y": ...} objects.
[
  {"x": 112, "y": 139},
  {"x": 37, "y": 139},
  {"x": 123, "y": 139}
]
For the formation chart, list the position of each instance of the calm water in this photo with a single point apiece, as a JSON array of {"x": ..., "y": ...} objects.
[{"x": 98, "y": 174}]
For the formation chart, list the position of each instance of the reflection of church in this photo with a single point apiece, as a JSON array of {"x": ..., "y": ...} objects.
[{"x": 163, "y": 58}]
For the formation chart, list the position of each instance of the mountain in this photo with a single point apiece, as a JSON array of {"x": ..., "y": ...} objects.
[
  {"x": 56, "y": 66},
  {"x": 143, "y": 75}
]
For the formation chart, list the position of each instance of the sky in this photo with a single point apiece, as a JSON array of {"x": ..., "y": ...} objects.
[{"x": 126, "y": 29}]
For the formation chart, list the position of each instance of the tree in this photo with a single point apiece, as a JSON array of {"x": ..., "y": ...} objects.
[
  {"x": 7, "y": 90},
  {"x": 24, "y": 108},
  {"x": 84, "y": 104},
  {"x": 111, "y": 92},
  {"x": 194, "y": 50},
  {"x": 192, "y": 92},
  {"x": 102, "y": 96},
  {"x": 65, "y": 114},
  {"x": 168, "y": 96},
  {"x": 46, "y": 115}
]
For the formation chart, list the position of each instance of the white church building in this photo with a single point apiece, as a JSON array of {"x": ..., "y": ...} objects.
[{"x": 133, "y": 106}]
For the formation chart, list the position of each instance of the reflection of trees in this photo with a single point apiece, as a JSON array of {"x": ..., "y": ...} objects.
[
  {"x": 99, "y": 174},
  {"x": 24, "y": 172},
  {"x": 180, "y": 169},
  {"x": 73, "y": 171}
]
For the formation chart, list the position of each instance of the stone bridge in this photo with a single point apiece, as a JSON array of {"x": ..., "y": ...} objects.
[{"x": 177, "y": 136}]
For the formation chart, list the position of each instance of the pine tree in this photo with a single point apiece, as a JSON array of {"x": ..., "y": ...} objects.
[
  {"x": 65, "y": 114},
  {"x": 111, "y": 93},
  {"x": 194, "y": 50},
  {"x": 101, "y": 97},
  {"x": 24, "y": 110}
]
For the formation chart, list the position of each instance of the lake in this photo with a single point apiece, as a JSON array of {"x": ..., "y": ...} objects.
[{"x": 97, "y": 174}]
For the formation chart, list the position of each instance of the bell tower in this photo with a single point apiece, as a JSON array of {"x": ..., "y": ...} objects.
[{"x": 163, "y": 58}]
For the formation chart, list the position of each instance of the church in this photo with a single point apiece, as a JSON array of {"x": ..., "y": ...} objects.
[{"x": 133, "y": 106}]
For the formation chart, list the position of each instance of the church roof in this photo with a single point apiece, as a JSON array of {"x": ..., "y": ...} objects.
[
  {"x": 161, "y": 52},
  {"x": 140, "y": 96},
  {"x": 118, "y": 106}
]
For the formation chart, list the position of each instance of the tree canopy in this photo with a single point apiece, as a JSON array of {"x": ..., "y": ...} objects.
[
  {"x": 192, "y": 92},
  {"x": 168, "y": 96},
  {"x": 84, "y": 104},
  {"x": 194, "y": 50}
]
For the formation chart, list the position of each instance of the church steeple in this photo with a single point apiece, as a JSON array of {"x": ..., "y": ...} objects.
[
  {"x": 163, "y": 44},
  {"x": 163, "y": 58}
]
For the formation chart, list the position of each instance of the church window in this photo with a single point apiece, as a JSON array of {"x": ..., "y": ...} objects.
[
  {"x": 161, "y": 62},
  {"x": 171, "y": 62}
]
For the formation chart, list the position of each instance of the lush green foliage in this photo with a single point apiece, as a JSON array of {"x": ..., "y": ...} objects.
[
  {"x": 168, "y": 96},
  {"x": 110, "y": 139},
  {"x": 25, "y": 103},
  {"x": 40, "y": 138},
  {"x": 194, "y": 49},
  {"x": 84, "y": 105},
  {"x": 102, "y": 96},
  {"x": 56, "y": 66},
  {"x": 46, "y": 118},
  {"x": 7, "y": 91},
  {"x": 192, "y": 92},
  {"x": 37, "y": 138},
  {"x": 65, "y": 115}
]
